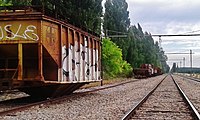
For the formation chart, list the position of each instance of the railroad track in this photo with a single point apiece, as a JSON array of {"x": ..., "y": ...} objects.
[
  {"x": 10, "y": 106},
  {"x": 189, "y": 78},
  {"x": 11, "y": 94},
  {"x": 18, "y": 103},
  {"x": 165, "y": 101}
]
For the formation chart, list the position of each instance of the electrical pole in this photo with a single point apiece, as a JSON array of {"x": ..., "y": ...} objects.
[
  {"x": 191, "y": 62},
  {"x": 190, "y": 58},
  {"x": 183, "y": 61}
]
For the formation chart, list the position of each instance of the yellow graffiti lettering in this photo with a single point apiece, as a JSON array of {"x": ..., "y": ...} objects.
[
  {"x": 29, "y": 29},
  {"x": 28, "y": 33}
]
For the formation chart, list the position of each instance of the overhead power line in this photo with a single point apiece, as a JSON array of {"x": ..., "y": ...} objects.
[
  {"x": 117, "y": 35},
  {"x": 113, "y": 31},
  {"x": 174, "y": 59},
  {"x": 179, "y": 53},
  {"x": 114, "y": 36},
  {"x": 173, "y": 35},
  {"x": 192, "y": 31}
]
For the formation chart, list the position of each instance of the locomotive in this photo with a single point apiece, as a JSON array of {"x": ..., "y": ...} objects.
[
  {"x": 146, "y": 70},
  {"x": 45, "y": 56}
]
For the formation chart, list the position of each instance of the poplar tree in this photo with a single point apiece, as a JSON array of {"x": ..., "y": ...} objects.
[
  {"x": 86, "y": 14},
  {"x": 117, "y": 22}
]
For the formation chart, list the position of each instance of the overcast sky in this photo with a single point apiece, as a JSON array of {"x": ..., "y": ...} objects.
[{"x": 170, "y": 17}]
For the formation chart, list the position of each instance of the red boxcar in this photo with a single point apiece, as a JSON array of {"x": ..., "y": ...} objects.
[{"x": 146, "y": 70}]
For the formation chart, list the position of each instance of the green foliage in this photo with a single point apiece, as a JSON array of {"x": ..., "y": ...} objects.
[
  {"x": 113, "y": 64},
  {"x": 126, "y": 69},
  {"x": 5, "y": 2},
  {"x": 20, "y": 2}
]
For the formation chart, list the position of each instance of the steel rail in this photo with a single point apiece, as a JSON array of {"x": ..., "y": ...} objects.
[
  {"x": 56, "y": 100},
  {"x": 129, "y": 114},
  {"x": 192, "y": 108},
  {"x": 190, "y": 78}
]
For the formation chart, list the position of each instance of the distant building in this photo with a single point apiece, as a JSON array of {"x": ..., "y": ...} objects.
[
  {"x": 187, "y": 70},
  {"x": 173, "y": 68}
]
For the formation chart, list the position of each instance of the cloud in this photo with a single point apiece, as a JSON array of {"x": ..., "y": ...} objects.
[
  {"x": 164, "y": 7},
  {"x": 164, "y": 13}
]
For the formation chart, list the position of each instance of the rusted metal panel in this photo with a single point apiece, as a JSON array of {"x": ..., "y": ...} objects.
[
  {"x": 95, "y": 60},
  {"x": 98, "y": 60},
  {"x": 65, "y": 53},
  {"x": 20, "y": 30},
  {"x": 40, "y": 75},
  {"x": 50, "y": 39},
  {"x": 20, "y": 62},
  {"x": 60, "y": 54}
]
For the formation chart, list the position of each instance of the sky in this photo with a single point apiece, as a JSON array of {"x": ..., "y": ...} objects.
[{"x": 170, "y": 17}]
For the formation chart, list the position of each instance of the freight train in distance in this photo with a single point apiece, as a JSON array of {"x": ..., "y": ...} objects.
[
  {"x": 45, "y": 56},
  {"x": 146, "y": 70}
]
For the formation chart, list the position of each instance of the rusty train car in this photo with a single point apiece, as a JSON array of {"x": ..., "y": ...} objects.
[
  {"x": 44, "y": 56},
  {"x": 146, "y": 70}
]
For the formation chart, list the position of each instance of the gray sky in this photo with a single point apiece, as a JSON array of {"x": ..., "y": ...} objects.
[{"x": 170, "y": 17}]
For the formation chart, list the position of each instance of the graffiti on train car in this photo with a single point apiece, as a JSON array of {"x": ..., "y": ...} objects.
[
  {"x": 81, "y": 62},
  {"x": 28, "y": 32}
]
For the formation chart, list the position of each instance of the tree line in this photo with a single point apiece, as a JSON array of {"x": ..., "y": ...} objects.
[
  {"x": 130, "y": 47},
  {"x": 138, "y": 47},
  {"x": 82, "y": 13}
]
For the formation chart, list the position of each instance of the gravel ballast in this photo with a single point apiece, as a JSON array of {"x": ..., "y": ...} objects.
[
  {"x": 191, "y": 89},
  {"x": 165, "y": 103},
  {"x": 110, "y": 103}
]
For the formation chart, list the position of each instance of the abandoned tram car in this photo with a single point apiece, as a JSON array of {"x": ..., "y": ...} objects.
[{"x": 44, "y": 56}]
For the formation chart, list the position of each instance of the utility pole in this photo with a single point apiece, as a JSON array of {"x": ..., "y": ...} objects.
[
  {"x": 184, "y": 57},
  {"x": 183, "y": 61},
  {"x": 191, "y": 61},
  {"x": 178, "y": 35},
  {"x": 191, "y": 58},
  {"x": 101, "y": 61}
]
